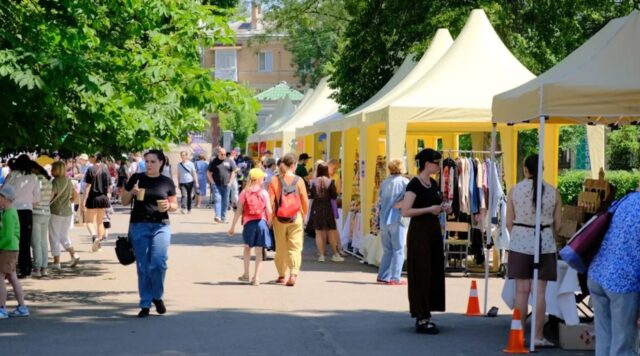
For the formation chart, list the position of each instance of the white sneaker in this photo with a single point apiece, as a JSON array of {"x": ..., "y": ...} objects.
[
  {"x": 74, "y": 260},
  {"x": 35, "y": 274},
  {"x": 96, "y": 246},
  {"x": 44, "y": 273},
  {"x": 321, "y": 258},
  {"x": 56, "y": 266},
  {"x": 337, "y": 258}
]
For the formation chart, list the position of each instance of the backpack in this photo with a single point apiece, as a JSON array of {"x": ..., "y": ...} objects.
[
  {"x": 254, "y": 205},
  {"x": 289, "y": 203}
]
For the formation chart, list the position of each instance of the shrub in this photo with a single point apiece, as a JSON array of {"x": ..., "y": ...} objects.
[{"x": 570, "y": 183}]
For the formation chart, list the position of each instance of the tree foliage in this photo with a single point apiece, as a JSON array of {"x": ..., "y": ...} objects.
[
  {"x": 111, "y": 75},
  {"x": 381, "y": 33},
  {"x": 623, "y": 148},
  {"x": 313, "y": 31}
]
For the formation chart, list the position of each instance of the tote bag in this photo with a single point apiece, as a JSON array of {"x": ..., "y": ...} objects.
[{"x": 585, "y": 243}]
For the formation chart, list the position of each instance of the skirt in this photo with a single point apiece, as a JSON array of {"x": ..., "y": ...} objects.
[
  {"x": 322, "y": 216},
  {"x": 425, "y": 267},
  {"x": 97, "y": 201},
  {"x": 8, "y": 260},
  {"x": 256, "y": 234},
  {"x": 520, "y": 266}
]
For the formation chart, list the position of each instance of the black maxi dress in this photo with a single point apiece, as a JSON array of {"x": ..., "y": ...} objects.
[{"x": 425, "y": 256}]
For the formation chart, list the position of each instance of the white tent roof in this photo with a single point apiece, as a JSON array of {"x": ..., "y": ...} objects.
[
  {"x": 332, "y": 122},
  {"x": 598, "y": 82},
  {"x": 405, "y": 77},
  {"x": 276, "y": 121},
  {"x": 461, "y": 86},
  {"x": 319, "y": 105},
  {"x": 284, "y": 108}
]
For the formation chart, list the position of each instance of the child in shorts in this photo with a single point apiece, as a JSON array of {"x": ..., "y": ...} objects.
[
  {"x": 9, "y": 246},
  {"x": 255, "y": 209}
]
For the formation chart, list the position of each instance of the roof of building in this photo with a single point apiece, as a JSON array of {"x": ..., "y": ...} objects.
[{"x": 278, "y": 92}]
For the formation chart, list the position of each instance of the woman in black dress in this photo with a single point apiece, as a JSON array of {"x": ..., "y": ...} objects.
[
  {"x": 425, "y": 259},
  {"x": 96, "y": 201},
  {"x": 322, "y": 218}
]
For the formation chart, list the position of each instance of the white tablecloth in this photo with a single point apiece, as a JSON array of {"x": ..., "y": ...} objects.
[{"x": 560, "y": 295}]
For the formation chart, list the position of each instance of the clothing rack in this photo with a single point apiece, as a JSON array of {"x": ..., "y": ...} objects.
[{"x": 493, "y": 156}]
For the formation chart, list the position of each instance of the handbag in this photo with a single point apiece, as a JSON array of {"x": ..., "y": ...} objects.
[
  {"x": 584, "y": 245},
  {"x": 124, "y": 251}
]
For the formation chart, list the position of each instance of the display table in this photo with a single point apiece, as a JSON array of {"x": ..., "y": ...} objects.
[{"x": 560, "y": 295}]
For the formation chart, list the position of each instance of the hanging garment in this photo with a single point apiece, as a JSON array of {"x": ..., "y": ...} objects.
[
  {"x": 479, "y": 179},
  {"x": 473, "y": 200},
  {"x": 463, "y": 186}
]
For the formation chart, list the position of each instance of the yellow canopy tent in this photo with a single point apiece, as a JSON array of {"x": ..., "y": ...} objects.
[
  {"x": 599, "y": 83},
  {"x": 319, "y": 105},
  {"x": 284, "y": 109},
  {"x": 453, "y": 97}
]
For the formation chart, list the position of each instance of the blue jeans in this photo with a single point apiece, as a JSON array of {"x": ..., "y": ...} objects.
[
  {"x": 221, "y": 200},
  {"x": 615, "y": 316},
  {"x": 150, "y": 243},
  {"x": 392, "y": 237}
]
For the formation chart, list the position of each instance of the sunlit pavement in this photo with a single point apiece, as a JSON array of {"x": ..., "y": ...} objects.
[{"x": 334, "y": 309}]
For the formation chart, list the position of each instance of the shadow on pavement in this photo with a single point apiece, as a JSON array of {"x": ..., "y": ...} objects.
[{"x": 103, "y": 328}]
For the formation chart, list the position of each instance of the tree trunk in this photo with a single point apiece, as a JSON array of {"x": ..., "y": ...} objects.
[{"x": 216, "y": 136}]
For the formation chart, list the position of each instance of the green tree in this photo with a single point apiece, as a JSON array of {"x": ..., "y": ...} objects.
[
  {"x": 313, "y": 30},
  {"x": 382, "y": 32},
  {"x": 242, "y": 120},
  {"x": 623, "y": 148},
  {"x": 111, "y": 75},
  {"x": 571, "y": 136}
]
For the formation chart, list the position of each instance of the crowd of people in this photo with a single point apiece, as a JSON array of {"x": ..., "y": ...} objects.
[{"x": 275, "y": 201}]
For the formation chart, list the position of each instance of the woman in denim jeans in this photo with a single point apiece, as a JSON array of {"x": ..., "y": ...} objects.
[
  {"x": 614, "y": 282},
  {"x": 392, "y": 225},
  {"x": 154, "y": 196}
]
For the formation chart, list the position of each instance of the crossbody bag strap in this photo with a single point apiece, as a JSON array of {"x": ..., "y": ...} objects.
[
  {"x": 185, "y": 168},
  {"x": 64, "y": 190}
]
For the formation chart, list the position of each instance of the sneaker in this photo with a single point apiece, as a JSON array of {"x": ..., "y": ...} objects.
[
  {"x": 3, "y": 313},
  {"x": 160, "y": 308},
  {"x": 20, "y": 311},
  {"x": 36, "y": 274},
  {"x": 96, "y": 246},
  {"x": 217, "y": 220},
  {"x": 44, "y": 273},
  {"x": 337, "y": 258},
  {"x": 321, "y": 258},
  {"x": 74, "y": 261},
  {"x": 188, "y": 211},
  {"x": 56, "y": 267},
  {"x": 182, "y": 211},
  {"x": 93, "y": 238}
]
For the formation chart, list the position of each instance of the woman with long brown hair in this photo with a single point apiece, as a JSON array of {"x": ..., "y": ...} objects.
[
  {"x": 288, "y": 197},
  {"x": 322, "y": 219}
]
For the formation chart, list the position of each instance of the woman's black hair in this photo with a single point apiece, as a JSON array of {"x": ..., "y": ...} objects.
[
  {"x": 23, "y": 164},
  {"x": 11, "y": 163},
  {"x": 426, "y": 155},
  {"x": 322, "y": 170},
  {"x": 160, "y": 155},
  {"x": 37, "y": 169},
  {"x": 532, "y": 166},
  {"x": 98, "y": 157}
]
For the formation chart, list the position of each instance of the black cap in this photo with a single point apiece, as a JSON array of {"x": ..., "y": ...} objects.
[
  {"x": 267, "y": 152},
  {"x": 303, "y": 157},
  {"x": 427, "y": 155}
]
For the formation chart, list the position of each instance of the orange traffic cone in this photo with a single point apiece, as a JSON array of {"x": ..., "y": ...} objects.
[
  {"x": 516, "y": 336},
  {"x": 473, "y": 307}
]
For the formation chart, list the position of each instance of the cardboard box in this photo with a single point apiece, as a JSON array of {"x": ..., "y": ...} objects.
[{"x": 578, "y": 337}]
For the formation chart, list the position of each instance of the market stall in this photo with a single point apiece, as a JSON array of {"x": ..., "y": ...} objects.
[
  {"x": 599, "y": 83},
  {"x": 284, "y": 109}
]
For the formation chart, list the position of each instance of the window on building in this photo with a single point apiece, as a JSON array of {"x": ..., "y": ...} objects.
[
  {"x": 266, "y": 62},
  {"x": 226, "y": 64}
]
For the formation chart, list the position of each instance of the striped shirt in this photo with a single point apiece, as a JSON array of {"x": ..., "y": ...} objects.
[{"x": 46, "y": 191}]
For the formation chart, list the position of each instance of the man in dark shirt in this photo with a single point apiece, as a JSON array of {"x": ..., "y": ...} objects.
[
  {"x": 301, "y": 169},
  {"x": 221, "y": 173}
]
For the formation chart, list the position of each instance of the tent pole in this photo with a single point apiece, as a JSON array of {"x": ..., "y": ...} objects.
[
  {"x": 536, "y": 256},
  {"x": 488, "y": 221}
]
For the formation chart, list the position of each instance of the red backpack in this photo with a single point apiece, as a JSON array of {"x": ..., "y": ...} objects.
[
  {"x": 254, "y": 205},
  {"x": 289, "y": 204}
]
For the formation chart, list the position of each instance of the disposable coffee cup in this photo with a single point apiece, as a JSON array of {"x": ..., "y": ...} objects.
[
  {"x": 160, "y": 202},
  {"x": 140, "y": 195}
]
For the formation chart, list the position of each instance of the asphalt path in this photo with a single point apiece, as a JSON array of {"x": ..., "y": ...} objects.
[{"x": 334, "y": 309}]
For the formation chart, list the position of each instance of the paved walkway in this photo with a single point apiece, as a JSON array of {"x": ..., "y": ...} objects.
[{"x": 335, "y": 309}]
